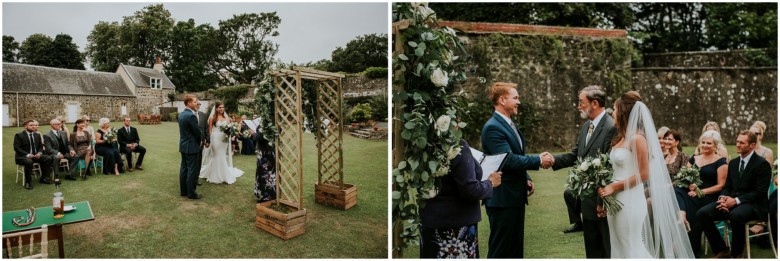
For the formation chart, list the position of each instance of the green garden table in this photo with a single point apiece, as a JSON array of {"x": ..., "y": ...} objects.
[{"x": 45, "y": 215}]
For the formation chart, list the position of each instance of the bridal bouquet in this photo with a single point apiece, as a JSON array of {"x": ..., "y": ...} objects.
[
  {"x": 688, "y": 176},
  {"x": 111, "y": 134},
  {"x": 592, "y": 173},
  {"x": 230, "y": 130}
]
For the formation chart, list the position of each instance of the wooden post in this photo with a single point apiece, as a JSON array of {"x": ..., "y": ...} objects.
[
  {"x": 398, "y": 144},
  {"x": 299, "y": 129}
]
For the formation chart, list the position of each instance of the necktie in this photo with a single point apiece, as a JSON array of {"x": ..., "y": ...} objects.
[
  {"x": 590, "y": 131},
  {"x": 517, "y": 134},
  {"x": 32, "y": 144},
  {"x": 128, "y": 130},
  {"x": 741, "y": 167}
]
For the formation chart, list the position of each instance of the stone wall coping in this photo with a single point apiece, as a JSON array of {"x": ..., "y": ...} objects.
[
  {"x": 485, "y": 28},
  {"x": 703, "y": 52},
  {"x": 701, "y": 68}
]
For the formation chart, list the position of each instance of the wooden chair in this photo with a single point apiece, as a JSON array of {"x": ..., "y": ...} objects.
[
  {"x": 20, "y": 239},
  {"x": 20, "y": 170},
  {"x": 748, "y": 236},
  {"x": 140, "y": 119}
]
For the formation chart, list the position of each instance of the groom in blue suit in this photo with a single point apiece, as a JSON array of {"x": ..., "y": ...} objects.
[
  {"x": 506, "y": 209},
  {"x": 190, "y": 138}
]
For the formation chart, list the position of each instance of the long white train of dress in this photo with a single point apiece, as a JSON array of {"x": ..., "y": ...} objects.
[
  {"x": 217, "y": 164},
  {"x": 625, "y": 227}
]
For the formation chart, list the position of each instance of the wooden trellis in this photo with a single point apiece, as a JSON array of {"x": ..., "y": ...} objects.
[{"x": 288, "y": 116}]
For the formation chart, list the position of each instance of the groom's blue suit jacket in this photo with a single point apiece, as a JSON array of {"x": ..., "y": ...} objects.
[
  {"x": 498, "y": 137},
  {"x": 189, "y": 133}
]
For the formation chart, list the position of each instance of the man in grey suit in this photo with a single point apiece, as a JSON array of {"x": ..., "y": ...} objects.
[
  {"x": 60, "y": 148},
  {"x": 595, "y": 138},
  {"x": 190, "y": 139}
]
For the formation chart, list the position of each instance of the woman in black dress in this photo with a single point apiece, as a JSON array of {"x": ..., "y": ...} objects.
[
  {"x": 712, "y": 169},
  {"x": 449, "y": 219},
  {"x": 112, "y": 162},
  {"x": 265, "y": 175}
]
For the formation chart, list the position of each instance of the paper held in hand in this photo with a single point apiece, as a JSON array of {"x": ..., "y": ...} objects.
[
  {"x": 489, "y": 163},
  {"x": 252, "y": 124}
]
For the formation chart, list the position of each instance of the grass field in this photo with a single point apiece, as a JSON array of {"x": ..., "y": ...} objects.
[
  {"x": 546, "y": 218},
  {"x": 140, "y": 214}
]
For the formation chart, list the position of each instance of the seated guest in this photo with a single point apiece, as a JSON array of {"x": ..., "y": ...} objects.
[
  {"x": 712, "y": 171},
  {"x": 452, "y": 215},
  {"x": 674, "y": 156},
  {"x": 107, "y": 148},
  {"x": 711, "y": 125},
  {"x": 247, "y": 145},
  {"x": 758, "y": 128},
  {"x": 57, "y": 141},
  {"x": 661, "y": 132},
  {"x": 63, "y": 127},
  {"x": 128, "y": 143},
  {"x": 81, "y": 142},
  {"x": 29, "y": 149},
  {"x": 743, "y": 198}
]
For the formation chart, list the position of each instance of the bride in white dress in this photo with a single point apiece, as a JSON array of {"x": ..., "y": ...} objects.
[
  {"x": 650, "y": 224},
  {"x": 217, "y": 163}
]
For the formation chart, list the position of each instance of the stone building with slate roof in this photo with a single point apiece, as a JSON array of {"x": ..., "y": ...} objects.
[{"x": 42, "y": 93}]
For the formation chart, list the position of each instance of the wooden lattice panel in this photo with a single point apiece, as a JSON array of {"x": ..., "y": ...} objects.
[
  {"x": 330, "y": 167},
  {"x": 289, "y": 122}
]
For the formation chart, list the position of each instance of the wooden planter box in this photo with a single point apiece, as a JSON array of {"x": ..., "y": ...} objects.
[
  {"x": 330, "y": 195},
  {"x": 284, "y": 226}
]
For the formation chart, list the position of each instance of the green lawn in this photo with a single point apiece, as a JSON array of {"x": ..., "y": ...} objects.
[
  {"x": 546, "y": 218},
  {"x": 141, "y": 215}
]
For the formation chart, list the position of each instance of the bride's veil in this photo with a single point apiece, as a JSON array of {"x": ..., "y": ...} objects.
[
  {"x": 207, "y": 152},
  {"x": 663, "y": 229}
]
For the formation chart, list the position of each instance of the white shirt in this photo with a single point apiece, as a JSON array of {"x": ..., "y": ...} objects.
[
  {"x": 596, "y": 121},
  {"x": 509, "y": 121},
  {"x": 746, "y": 159}
]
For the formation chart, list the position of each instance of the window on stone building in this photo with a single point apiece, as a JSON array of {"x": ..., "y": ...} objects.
[{"x": 156, "y": 83}]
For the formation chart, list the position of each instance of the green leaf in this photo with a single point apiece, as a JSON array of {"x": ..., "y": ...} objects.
[
  {"x": 419, "y": 68},
  {"x": 433, "y": 165},
  {"x": 396, "y": 195},
  {"x": 414, "y": 164},
  {"x": 403, "y": 57},
  {"x": 402, "y": 164},
  {"x": 399, "y": 179},
  {"x": 422, "y": 46},
  {"x": 419, "y": 51},
  {"x": 424, "y": 176},
  {"x": 412, "y": 44},
  {"x": 461, "y": 124},
  {"x": 410, "y": 125},
  {"x": 406, "y": 134}
]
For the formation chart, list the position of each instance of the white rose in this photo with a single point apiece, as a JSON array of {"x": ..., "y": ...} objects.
[
  {"x": 597, "y": 162},
  {"x": 439, "y": 78},
  {"x": 443, "y": 124},
  {"x": 426, "y": 11},
  {"x": 418, "y": 4},
  {"x": 584, "y": 166},
  {"x": 429, "y": 193},
  {"x": 454, "y": 151}
]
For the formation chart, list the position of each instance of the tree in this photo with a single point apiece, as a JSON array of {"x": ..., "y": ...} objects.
[
  {"x": 190, "y": 55},
  {"x": 35, "y": 50},
  {"x": 104, "y": 50},
  {"x": 249, "y": 51},
  {"x": 364, "y": 51},
  {"x": 668, "y": 27},
  {"x": 146, "y": 35},
  {"x": 741, "y": 25},
  {"x": 10, "y": 49},
  {"x": 65, "y": 53}
]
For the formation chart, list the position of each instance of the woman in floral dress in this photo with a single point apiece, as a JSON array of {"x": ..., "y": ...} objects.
[{"x": 265, "y": 175}]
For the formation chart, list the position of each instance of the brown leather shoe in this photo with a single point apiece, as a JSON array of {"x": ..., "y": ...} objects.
[
  {"x": 139, "y": 168},
  {"x": 723, "y": 254},
  {"x": 131, "y": 170}
]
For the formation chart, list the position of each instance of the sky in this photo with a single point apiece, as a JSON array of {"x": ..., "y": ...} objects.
[{"x": 308, "y": 31}]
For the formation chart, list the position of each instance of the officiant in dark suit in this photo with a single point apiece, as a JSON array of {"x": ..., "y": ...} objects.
[
  {"x": 129, "y": 143},
  {"x": 595, "y": 138},
  {"x": 506, "y": 209}
]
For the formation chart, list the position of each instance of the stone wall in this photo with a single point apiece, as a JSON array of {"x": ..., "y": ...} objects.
[
  {"x": 550, "y": 65},
  {"x": 355, "y": 86},
  {"x": 149, "y": 100},
  {"x": 686, "y": 98},
  {"x": 44, "y": 107},
  {"x": 733, "y": 58}
]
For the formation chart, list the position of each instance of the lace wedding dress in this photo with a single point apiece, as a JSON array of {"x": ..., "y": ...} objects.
[{"x": 217, "y": 164}]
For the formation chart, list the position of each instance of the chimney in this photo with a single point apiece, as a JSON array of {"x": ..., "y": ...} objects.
[{"x": 158, "y": 64}]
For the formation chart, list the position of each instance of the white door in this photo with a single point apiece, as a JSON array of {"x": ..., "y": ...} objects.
[
  {"x": 6, "y": 115},
  {"x": 124, "y": 109},
  {"x": 73, "y": 112}
]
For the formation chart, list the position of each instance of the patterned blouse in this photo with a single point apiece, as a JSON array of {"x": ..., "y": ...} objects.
[{"x": 677, "y": 164}]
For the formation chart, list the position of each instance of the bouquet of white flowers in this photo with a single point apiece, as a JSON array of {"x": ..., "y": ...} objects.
[
  {"x": 110, "y": 134},
  {"x": 688, "y": 176},
  {"x": 592, "y": 173},
  {"x": 230, "y": 130}
]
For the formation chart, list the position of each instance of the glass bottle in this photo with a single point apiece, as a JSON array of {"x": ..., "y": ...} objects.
[{"x": 58, "y": 204}]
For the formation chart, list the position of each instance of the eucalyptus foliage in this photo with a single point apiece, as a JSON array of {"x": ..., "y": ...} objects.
[{"x": 427, "y": 69}]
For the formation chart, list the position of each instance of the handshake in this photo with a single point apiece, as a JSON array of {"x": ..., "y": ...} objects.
[{"x": 547, "y": 160}]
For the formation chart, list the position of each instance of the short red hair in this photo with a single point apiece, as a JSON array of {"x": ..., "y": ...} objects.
[{"x": 500, "y": 89}]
